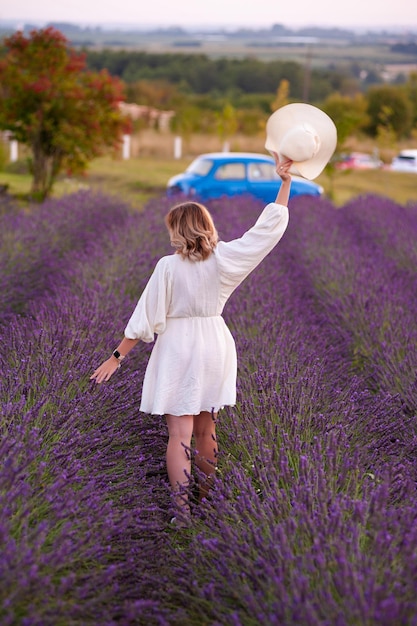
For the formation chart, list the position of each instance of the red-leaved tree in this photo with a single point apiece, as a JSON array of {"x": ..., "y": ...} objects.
[{"x": 50, "y": 102}]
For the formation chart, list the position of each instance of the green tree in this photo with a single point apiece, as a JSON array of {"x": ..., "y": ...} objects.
[
  {"x": 411, "y": 90},
  {"x": 282, "y": 95},
  {"x": 386, "y": 135},
  {"x": 349, "y": 115},
  {"x": 159, "y": 93},
  {"x": 227, "y": 123},
  {"x": 186, "y": 122},
  {"x": 65, "y": 114},
  {"x": 389, "y": 107},
  {"x": 198, "y": 74}
]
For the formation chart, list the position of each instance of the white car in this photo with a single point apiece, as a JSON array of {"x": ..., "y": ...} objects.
[{"x": 405, "y": 161}]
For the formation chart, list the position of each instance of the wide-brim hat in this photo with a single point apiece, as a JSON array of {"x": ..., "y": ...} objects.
[{"x": 304, "y": 134}]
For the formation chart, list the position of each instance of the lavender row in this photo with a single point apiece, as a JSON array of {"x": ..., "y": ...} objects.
[
  {"x": 369, "y": 287},
  {"x": 72, "y": 484},
  {"x": 39, "y": 247}
]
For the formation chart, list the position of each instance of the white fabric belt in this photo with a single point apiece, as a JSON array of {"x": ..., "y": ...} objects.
[{"x": 192, "y": 317}]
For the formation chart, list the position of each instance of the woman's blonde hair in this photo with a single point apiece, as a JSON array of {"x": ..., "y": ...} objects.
[{"x": 192, "y": 230}]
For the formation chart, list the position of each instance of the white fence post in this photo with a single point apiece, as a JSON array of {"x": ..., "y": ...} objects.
[
  {"x": 126, "y": 147},
  {"x": 177, "y": 148},
  {"x": 14, "y": 150}
]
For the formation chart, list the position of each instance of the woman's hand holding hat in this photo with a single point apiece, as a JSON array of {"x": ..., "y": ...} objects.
[{"x": 282, "y": 167}]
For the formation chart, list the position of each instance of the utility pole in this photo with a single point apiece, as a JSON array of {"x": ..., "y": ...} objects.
[{"x": 307, "y": 75}]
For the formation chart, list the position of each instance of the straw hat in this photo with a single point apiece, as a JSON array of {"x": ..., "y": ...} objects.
[{"x": 304, "y": 134}]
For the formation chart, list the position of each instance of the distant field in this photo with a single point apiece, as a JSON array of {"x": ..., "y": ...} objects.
[
  {"x": 322, "y": 49},
  {"x": 319, "y": 54}
]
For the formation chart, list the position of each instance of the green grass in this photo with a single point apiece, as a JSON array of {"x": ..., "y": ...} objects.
[
  {"x": 398, "y": 186},
  {"x": 134, "y": 180},
  {"x": 138, "y": 179},
  {"x": 17, "y": 184}
]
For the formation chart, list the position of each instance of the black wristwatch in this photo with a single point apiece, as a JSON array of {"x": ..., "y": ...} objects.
[{"x": 118, "y": 356}]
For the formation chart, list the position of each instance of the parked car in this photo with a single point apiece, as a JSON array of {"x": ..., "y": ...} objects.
[
  {"x": 359, "y": 161},
  {"x": 217, "y": 174},
  {"x": 405, "y": 161}
]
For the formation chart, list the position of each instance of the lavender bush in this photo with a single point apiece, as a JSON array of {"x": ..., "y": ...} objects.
[{"x": 312, "y": 518}]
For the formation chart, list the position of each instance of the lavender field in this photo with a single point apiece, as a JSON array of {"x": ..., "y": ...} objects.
[{"x": 313, "y": 516}]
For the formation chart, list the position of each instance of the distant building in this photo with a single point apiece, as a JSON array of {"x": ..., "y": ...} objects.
[{"x": 155, "y": 118}]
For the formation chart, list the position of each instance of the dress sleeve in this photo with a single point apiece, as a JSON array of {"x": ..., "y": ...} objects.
[
  {"x": 237, "y": 258},
  {"x": 149, "y": 316}
]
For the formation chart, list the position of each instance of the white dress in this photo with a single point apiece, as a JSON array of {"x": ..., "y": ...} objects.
[{"x": 193, "y": 363}]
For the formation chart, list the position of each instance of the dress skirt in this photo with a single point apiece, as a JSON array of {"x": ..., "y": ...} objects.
[{"x": 192, "y": 368}]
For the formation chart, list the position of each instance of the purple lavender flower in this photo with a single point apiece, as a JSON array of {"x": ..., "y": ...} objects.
[{"x": 312, "y": 517}]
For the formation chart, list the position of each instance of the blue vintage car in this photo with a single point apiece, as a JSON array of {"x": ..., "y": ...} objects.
[{"x": 218, "y": 174}]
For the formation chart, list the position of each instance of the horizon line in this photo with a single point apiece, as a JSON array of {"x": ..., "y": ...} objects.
[{"x": 218, "y": 25}]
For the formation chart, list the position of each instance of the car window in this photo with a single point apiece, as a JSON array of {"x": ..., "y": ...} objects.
[
  {"x": 261, "y": 171},
  {"x": 406, "y": 158},
  {"x": 200, "y": 167},
  {"x": 231, "y": 171}
]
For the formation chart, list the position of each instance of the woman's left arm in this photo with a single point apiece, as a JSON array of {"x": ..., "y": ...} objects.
[
  {"x": 148, "y": 318},
  {"x": 106, "y": 370}
]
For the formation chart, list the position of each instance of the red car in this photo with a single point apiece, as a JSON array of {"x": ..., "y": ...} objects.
[{"x": 359, "y": 161}]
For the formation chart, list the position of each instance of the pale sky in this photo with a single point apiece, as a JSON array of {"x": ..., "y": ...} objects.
[{"x": 371, "y": 14}]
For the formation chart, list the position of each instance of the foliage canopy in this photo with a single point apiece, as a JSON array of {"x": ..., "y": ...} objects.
[
  {"x": 50, "y": 102},
  {"x": 199, "y": 88},
  {"x": 389, "y": 106}
]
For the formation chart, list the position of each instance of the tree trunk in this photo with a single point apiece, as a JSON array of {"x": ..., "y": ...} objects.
[
  {"x": 38, "y": 191},
  {"x": 45, "y": 169}
]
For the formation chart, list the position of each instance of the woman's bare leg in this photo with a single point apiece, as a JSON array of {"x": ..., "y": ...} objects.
[
  {"x": 206, "y": 447},
  {"x": 178, "y": 457}
]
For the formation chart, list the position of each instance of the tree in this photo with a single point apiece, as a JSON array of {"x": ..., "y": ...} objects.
[
  {"x": 227, "y": 123},
  {"x": 49, "y": 101},
  {"x": 411, "y": 90},
  {"x": 281, "y": 96},
  {"x": 349, "y": 115},
  {"x": 389, "y": 107},
  {"x": 156, "y": 93}
]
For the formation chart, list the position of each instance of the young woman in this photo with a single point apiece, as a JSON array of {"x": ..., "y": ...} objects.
[{"x": 191, "y": 372}]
